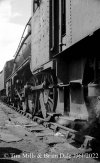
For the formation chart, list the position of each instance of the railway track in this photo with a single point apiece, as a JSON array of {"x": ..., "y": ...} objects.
[{"x": 84, "y": 143}]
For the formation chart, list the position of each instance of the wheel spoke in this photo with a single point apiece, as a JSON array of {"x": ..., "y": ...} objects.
[
  {"x": 43, "y": 109},
  {"x": 46, "y": 97}
]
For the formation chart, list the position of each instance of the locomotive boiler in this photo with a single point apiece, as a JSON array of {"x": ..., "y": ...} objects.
[
  {"x": 56, "y": 66},
  {"x": 21, "y": 69}
]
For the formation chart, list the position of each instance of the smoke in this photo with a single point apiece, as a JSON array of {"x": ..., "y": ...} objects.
[{"x": 90, "y": 127}]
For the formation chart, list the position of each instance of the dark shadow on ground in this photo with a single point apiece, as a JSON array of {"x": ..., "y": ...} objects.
[
  {"x": 96, "y": 149},
  {"x": 8, "y": 161},
  {"x": 7, "y": 152}
]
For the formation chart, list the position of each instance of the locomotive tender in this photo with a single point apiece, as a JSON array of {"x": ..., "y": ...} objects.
[{"x": 54, "y": 71}]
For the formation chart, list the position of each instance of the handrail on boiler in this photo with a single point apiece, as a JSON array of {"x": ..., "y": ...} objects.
[{"x": 22, "y": 40}]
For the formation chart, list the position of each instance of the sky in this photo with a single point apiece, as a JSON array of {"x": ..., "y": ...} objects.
[{"x": 14, "y": 14}]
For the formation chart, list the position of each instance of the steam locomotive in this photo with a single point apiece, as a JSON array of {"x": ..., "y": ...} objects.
[{"x": 56, "y": 68}]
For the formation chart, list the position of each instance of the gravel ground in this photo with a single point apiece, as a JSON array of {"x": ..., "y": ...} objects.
[{"x": 41, "y": 145}]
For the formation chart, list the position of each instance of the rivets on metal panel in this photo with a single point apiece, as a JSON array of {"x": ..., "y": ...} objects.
[{"x": 70, "y": 22}]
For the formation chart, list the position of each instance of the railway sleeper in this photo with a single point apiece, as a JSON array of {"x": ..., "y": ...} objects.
[
  {"x": 86, "y": 142},
  {"x": 23, "y": 113},
  {"x": 28, "y": 115},
  {"x": 39, "y": 121}
]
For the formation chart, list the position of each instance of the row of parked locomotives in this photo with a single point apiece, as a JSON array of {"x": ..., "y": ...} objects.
[
  {"x": 56, "y": 72},
  {"x": 4, "y": 74}
]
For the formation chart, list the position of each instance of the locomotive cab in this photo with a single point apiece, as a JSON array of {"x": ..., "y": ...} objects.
[{"x": 79, "y": 31}]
